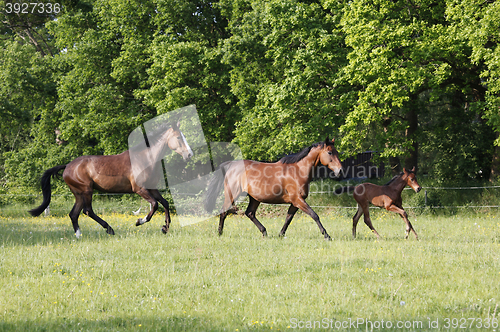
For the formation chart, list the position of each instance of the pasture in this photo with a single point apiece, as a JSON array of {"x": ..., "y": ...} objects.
[{"x": 194, "y": 280}]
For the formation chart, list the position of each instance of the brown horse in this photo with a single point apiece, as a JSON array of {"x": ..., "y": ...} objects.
[
  {"x": 387, "y": 196},
  {"x": 282, "y": 182},
  {"x": 115, "y": 174}
]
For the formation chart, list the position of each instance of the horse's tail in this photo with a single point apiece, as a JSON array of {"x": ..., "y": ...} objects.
[
  {"x": 46, "y": 190},
  {"x": 342, "y": 190},
  {"x": 215, "y": 186}
]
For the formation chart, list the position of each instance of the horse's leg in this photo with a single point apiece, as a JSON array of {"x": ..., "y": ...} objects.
[
  {"x": 145, "y": 193},
  {"x": 225, "y": 208},
  {"x": 230, "y": 195},
  {"x": 291, "y": 212},
  {"x": 368, "y": 220},
  {"x": 156, "y": 194},
  {"x": 404, "y": 215},
  {"x": 250, "y": 213},
  {"x": 75, "y": 213},
  {"x": 355, "y": 220},
  {"x": 87, "y": 209},
  {"x": 301, "y": 204}
]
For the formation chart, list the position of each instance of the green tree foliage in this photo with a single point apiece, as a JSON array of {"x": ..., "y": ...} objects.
[
  {"x": 411, "y": 79},
  {"x": 479, "y": 23},
  {"x": 22, "y": 96},
  {"x": 404, "y": 57},
  {"x": 27, "y": 29},
  {"x": 285, "y": 58},
  {"x": 186, "y": 65},
  {"x": 27, "y": 88}
]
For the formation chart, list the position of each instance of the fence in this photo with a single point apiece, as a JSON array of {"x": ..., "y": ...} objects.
[{"x": 136, "y": 202}]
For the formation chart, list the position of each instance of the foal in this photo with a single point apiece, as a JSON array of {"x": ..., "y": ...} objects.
[{"x": 387, "y": 196}]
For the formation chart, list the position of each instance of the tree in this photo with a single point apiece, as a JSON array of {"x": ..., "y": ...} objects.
[
  {"x": 285, "y": 58},
  {"x": 186, "y": 66},
  {"x": 121, "y": 63},
  {"x": 26, "y": 87},
  {"x": 478, "y": 21},
  {"x": 92, "y": 110},
  {"x": 400, "y": 50},
  {"x": 28, "y": 27}
]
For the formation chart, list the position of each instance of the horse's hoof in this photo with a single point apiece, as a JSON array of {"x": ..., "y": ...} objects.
[
  {"x": 264, "y": 234},
  {"x": 164, "y": 230},
  {"x": 327, "y": 237},
  {"x": 110, "y": 231},
  {"x": 281, "y": 235},
  {"x": 140, "y": 222}
]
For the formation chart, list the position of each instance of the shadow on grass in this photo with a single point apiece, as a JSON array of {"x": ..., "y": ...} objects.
[
  {"x": 115, "y": 324},
  {"x": 17, "y": 232}
]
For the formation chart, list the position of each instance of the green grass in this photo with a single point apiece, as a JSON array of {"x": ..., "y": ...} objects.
[{"x": 194, "y": 280}]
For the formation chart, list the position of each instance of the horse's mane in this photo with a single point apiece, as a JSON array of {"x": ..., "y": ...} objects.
[
  {"x": 157, "y": 133},
  {"x": 153, "y": 135},
  {"x": 397, "y": 177},
  {"x": 296, "y": 157}
]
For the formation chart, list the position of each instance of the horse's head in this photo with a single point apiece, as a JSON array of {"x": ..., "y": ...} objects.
[
  {"x": 329, "y": 156},
  {"x": 411, "y": 179},
  {"x": 177, "y": 142}
]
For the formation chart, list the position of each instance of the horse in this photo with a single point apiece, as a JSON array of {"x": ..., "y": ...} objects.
[
  {"x": 283, "y": 182},
  {"x": 387, "y": 196},
  {"x": 117, "y": 174}
]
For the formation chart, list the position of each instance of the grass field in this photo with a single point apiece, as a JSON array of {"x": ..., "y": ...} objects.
[{"x": 194, "y": 280}]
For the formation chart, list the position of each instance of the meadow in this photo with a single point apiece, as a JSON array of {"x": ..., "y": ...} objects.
[{"x": 194, "y": 280}]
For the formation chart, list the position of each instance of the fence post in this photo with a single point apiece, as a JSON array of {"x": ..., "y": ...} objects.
[{"x": 425, "y": 204}]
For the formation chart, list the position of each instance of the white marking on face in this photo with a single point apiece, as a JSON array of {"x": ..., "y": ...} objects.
[
  {"x": 187, "y": 145},
  {"x": 337, "y": 171}
]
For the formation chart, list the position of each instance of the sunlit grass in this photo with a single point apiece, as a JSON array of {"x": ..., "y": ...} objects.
[{"x": 192, "y": 279}]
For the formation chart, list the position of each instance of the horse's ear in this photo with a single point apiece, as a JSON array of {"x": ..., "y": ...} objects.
[
  {"x": 333, "y": 140},
  {"x": 178, "y": 124},
  {"x": 327, "y": 140},
  {"x": 413, "y": 169},
  {"x": 404, "y": 170}
]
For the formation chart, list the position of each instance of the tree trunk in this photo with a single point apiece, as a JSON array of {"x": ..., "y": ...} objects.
[
  {"x": 412, "y": 160},
  {"x": 394, "y": 162},
  {"x": 495, "y": 164}
]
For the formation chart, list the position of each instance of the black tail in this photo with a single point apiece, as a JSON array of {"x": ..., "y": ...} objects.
[
  {"x": 342, "y": 190},
  {"x": 215, "y": 186},
  {"x": 46, "y": 190}
]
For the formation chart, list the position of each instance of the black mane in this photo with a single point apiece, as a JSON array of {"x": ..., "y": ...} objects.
[
  {"x": 397, "y": 177},
  {"x": 296, "y": 157}
]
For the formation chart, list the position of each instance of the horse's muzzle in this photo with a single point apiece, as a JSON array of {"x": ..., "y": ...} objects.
[
  {"x": 336, "y": 170},
  {"x": 187, "y": 156},
  {"x": 418, "y": 189}
]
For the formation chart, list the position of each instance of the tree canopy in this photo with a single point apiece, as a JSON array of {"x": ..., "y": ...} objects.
[{"x": 416, "y": 81}]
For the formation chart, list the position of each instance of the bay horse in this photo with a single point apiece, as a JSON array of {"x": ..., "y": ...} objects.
[
  {"x": 115, "y": 174},
  {"x": 283, "y": 182},
  {"x": 387, "y": 196}
]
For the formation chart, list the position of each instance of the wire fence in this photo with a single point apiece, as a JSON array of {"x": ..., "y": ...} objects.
[
  {"x": 426, "y": 204},
  {"x": 426, "y": 190}
]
